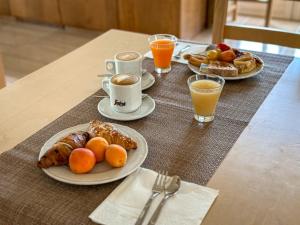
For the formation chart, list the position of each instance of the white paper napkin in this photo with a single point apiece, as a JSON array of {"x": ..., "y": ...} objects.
[
  {"x": 124, "y": 204},
  {"x": 195, "y": 48}
]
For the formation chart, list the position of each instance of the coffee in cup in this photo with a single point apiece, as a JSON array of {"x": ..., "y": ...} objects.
[
  {"x": 125, "y": 92},
  {"x": 124, "y": 79},
  {"x": 127, "y": 56},
  {"x": 129, "y": 62}
]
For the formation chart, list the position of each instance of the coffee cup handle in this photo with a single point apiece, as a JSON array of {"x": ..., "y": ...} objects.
[
  {"x": 110, "y": 66},
  {"x": 105, "y": 86}
]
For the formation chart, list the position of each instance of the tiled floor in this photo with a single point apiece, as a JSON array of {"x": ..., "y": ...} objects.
[{"x": 27, "y": 47}]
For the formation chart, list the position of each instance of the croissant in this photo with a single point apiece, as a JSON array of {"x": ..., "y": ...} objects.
[
  {"x": 113, "y": 136},
  {"x": 59, "y": 153}
]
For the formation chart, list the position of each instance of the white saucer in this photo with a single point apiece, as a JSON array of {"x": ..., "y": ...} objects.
[
  {"x": 147, "y": 107},
  {"x": 147, "y": 80}
]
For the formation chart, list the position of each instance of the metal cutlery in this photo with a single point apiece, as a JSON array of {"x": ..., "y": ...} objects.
[
  {"x": 178, "y": 55},
  {"x": 106, "y": 96},
  {"x": 170, "y": 191},
  {"x": 158, "y": 187}
]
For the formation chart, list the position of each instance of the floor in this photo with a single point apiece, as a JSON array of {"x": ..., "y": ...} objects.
[{"x": 26, "y": 47}]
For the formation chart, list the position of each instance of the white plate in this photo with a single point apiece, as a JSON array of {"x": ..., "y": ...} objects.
[
  {"x": 252, "y": 73},
  {"x": 147, "y": 107},
  {"x": 102, "y": 173},
  {"x": 147, "y": 80}
]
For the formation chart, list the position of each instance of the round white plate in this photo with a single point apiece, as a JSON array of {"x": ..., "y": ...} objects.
[
  {"x": 147, "y": 80},
  {"x": 147, "y": 107},
  {"x": 252, "y": 73},
  {"x": 102, "y": 173}
]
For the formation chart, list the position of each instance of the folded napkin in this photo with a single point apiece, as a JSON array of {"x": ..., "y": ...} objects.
[
  {"x": 124, "y": 204},
  {"x": 195, "y": 48}
]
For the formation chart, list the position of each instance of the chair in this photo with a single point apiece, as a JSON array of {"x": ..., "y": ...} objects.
[
  {"x": 233, "y": 9},
  {"x": 2, "y": 77},
  {"x": 222, "y": 31}
]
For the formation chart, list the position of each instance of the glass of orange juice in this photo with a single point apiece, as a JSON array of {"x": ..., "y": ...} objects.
[
  {"x": 162, "y": 47},
  {"x": 205, "y": 92}
]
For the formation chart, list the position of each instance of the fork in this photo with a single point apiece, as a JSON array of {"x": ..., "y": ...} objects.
[
  {"x": 158, "y": 188},
  {"x": 178, "y": 55}
]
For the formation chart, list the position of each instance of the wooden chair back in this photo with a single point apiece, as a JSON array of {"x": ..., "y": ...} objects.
[
  {"x": 223, "y": 31},
  {"x": 2, "y": 76}
]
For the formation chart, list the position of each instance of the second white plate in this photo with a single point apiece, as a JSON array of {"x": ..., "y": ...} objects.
[{"x": 147, "y": 107}]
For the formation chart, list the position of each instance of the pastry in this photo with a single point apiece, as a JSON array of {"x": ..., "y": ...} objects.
[
  {"x": 100, "y": 129},
  {"x": 59, "y": 153},
  {"x": 245, "y": 63},
  {"x": 196, "y": 60}
]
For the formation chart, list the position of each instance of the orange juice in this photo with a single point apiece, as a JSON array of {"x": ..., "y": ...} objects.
[
  {"x": 205, "y": 95},
  {"x": 162, "y": 51}
]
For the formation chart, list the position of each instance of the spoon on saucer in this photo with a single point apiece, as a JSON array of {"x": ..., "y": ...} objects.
[{"x": 106, "y": 96}]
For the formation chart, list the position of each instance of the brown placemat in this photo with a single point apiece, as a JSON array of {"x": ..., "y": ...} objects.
[{"x": 176, "y": 143}]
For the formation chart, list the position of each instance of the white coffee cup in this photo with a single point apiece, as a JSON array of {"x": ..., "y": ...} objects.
[
  {"x": 129, "y": 62},
  {"x": 124, "y": 98}
]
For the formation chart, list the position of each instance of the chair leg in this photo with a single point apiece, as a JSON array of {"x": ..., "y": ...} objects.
[
  {"x": 2, "y": 76},
  {"x": 268, "y": 13},
  {"x": 234, "y": 13}
]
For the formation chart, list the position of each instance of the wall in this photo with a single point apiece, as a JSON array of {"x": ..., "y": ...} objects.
[{"x": 4, "y": 7}]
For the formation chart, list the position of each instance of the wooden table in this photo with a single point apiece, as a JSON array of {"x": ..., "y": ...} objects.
[{"x": 259, "y": 180}]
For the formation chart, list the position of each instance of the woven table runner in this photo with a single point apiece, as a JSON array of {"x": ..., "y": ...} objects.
[{"x": 177, "y": 143}]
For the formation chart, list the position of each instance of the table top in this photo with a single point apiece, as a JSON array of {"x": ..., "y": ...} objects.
[{"x": 259, "y": 180}]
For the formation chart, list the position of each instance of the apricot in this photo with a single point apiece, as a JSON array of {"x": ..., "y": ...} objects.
[
  {"x": 227, "y": 56},
  {"x": 116, "y": 155},
  {"x": 98, "y": 145},
  {"x": 82, "y": 160}
]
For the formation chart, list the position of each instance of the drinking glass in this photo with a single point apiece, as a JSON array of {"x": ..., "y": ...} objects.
[
  {"x": 162, "y": 47},
  {"x": 205, "y": 92}
]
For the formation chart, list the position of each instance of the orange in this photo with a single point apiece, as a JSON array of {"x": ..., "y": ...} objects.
[
  {"x": 82, "y": 160},
  {"x": 98, "y": 145},
  {"x": 116, "y": 155}
]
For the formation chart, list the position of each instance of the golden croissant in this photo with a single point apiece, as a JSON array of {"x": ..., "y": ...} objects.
[
  {"x": 113, "y": 136},
  {"x": 59, "y": 153}
]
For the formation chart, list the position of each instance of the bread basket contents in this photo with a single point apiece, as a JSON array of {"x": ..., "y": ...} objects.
[
  {"x": 224, "y": 61},
  {"x": 82, "y": 150}
]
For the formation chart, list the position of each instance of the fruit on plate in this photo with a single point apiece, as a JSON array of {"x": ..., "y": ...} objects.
[
  {"x": 212, "y": 54},
  {"x": 98, "y": 146},
  {"x": 82, "y": 160},
  {"x": 227, "y": 56},
  {"x": 59, "y": 153},
  {"x": 223, "y": 47},
  {"x": 116, "y": 155},
  {"x": 98, "y": 128}
]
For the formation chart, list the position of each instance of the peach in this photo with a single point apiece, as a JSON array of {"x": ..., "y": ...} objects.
[
  {"x": 98, "y": 145},
  {"x": 82, "y": 160},
  {"x": 116, "y": 155},
  {"x": 227, "y": 56}
]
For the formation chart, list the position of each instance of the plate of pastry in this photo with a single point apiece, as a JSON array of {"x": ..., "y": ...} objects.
[
  {"x": 222, "y": 60},
  {"x": 93, "y": 153}
]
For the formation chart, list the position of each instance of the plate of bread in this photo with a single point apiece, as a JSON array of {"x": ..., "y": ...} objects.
[
  {"x": 222, "y": 60},
  {"x": 93, "y": 153}
]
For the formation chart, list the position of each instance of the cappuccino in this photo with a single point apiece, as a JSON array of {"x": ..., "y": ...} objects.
[
  {"x": 127, "y": 56},
  {"x": 124, "y": 79}
]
